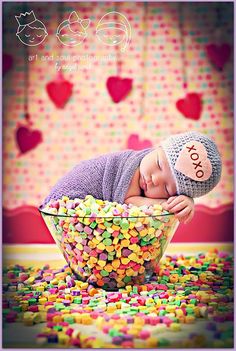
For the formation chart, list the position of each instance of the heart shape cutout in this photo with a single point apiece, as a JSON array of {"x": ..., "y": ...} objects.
[
  {"x": 190, "y": 106},
  {"x": 7, "y": 63},
  {"x": 193, "y": 161},
  {"x": 218, "y": 54},
  {"x": 136, "y": 144},
  {"x": 27, "y": 139},
  {"x": 59, "y": 91},
  {"x": 118, "y": 88}
]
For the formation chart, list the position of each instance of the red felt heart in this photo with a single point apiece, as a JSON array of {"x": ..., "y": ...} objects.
[
  {"x": 190, "y": 106},
  {"x": 218, "y": 54},
  {"x": 27, "y": 139},
  {"x": 136, "y": 144},
  {"x": 7, "y": 63},
  {"x": 59, "y": 91},
  {"x": 119, "y": 88}
]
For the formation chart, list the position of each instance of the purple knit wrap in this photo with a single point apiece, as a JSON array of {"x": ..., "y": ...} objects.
[{"x": 105, "y": 177}]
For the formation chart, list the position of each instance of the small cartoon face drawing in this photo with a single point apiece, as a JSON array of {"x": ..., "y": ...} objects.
[
  {"x": 72, "y": 32},
  {"x": 114, "y": 29},
  {"x": 30, "y": 31},
  {"x": 111, "y": 36}
]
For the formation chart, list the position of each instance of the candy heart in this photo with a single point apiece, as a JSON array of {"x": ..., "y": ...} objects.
[
  {"x": 136, "y": 144},
  {"x": 119, "y": 88},
  {"x": 218, "y": 54},
  {"x": 193, "y": 161},
  {"x": 7, "y": 63},
  {"x": 59, "y": 91},
  {"x": 27, "y": 139},
  {"x": 190, "y": 106}
]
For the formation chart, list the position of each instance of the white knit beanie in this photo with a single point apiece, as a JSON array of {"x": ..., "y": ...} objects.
[{"x": 194, "y": 161}]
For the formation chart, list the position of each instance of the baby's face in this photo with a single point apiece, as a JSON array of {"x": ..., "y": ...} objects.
[{"x": 156, "y": 178}]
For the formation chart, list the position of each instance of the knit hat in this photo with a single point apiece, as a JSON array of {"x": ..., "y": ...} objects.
[{"x": 194, "y": 161}]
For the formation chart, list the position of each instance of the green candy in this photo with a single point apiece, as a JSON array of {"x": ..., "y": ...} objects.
[
  {"x": 69, "y": 320},
  {"x": 107, "y": 224},
  {"x": 127, "y": 279},
  {"x": 104, "y": 273},
  {"x": 162, "y": 313},
  {"x": 117, "y": 220},
  {"x": 58, "y": 327},
  {"x": 32, "y": 301},
  {"x": 107, "y": 242},
  {"x": 106, "y": 234},
  {"x": 163, "y": 342},
  {"x": 93, "y": 225},
  {"x": 124, "y": 224},
  {"x": 77, "y": 299}
]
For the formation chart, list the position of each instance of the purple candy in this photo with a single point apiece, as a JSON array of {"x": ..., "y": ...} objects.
[
  {"x": 103, "y": 257},
  {"x": 126, "y": 252},
  {"x": 117, "y": 340},
  {"x": 113, "y": 275},
  {"x": 88, "y": 230},
  {"x": 87, "y": 249},
  {"x": 79, "y": 227}
]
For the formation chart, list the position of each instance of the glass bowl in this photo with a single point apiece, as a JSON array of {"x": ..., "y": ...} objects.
[{"x": 112, "y": 252}]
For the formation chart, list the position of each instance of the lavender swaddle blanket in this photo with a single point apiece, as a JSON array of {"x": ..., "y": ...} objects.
[{"x": 105, "y": 177}]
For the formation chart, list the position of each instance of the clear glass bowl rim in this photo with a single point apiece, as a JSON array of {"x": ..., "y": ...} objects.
[{"x": 105, "y": 217}]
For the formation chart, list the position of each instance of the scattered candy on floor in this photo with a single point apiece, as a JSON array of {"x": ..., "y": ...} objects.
[
  {"x": 109, "y": 244},
  {"x": 186, "y": 289}
]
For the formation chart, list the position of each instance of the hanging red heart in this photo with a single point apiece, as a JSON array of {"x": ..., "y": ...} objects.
[
  {"x": 27, "y": 139},
  {"x": 136, "y": 144},
  {"x": 59, "y": 91},
  {"x": 119, "y": 88},
  {"x": 7, "y": 63},
  {"x": 218, "y": 54},
  {"x": 190, "y": 106}
]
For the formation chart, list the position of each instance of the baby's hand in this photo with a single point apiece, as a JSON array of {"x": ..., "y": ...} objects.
[{"x": 182, "y": 206}]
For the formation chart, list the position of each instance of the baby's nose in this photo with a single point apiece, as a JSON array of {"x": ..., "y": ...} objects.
[{"x": 149, "y": 181}]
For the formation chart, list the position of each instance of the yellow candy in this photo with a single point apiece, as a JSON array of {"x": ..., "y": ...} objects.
[
  {"x": 143, "y": 232},
  {"x": 57, "y": 319},
  {"x": 101, "y": 246},
  {"x": 79, "y": 247},
  {"x": 130, "y": 272},
  {"x": 101, "y": 263},
  {"x": 189, "y": 319},
  {"x": 133, "y": 257},
  {"x": 175, "y": 326},
  {"x": 142, "y": 270},
  {"x": 52, "y": 297},
  {"x": 115, "y": 227},
  {"x": 133, "y": 232},
  {"x": 125, "y": 260},
  {"x": 42, "y": 300},
  {"x": 126, "y": 235},
  {"x": 146, "y": 256},
  {"x": 125, "y": 243},
  {"x": 134, "y": 247},
  {"x": 115, "y": 241},
  {"x": 93, "y": 259},
  {"x": 110, "y": 248},
  {"x": 116, "y": 263}
]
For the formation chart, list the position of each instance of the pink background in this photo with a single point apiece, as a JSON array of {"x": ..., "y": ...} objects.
[{"x": 158, "y": 59}]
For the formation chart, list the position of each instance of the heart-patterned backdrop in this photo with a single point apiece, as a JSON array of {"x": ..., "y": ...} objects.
[{"x": 90, "y": 116}]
